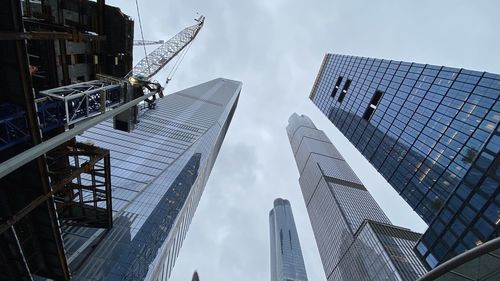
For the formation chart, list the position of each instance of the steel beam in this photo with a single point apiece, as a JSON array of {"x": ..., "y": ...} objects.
[
  {"x": 58, "y": 187},
  {"x": 23, "y": 158},
  {"x": 50, "y": 35},
  {"x": 13, "y": 262}
]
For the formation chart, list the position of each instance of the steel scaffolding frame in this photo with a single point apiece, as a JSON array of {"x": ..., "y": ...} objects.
[
  {"x": 86, "y": 99},
  {"x": 81, "y": 174}
]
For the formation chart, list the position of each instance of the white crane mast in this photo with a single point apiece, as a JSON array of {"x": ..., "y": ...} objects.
[{"x": 156, "y": 60}]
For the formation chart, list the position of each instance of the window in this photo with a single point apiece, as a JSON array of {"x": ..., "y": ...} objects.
[
  {"x": 373, "y": 105},
  {"x": 281, "y": 240},
  {"x": 336, "y": 88},
  {"x": 344, "y": 90},
  {"x": 422, "y": 249}
]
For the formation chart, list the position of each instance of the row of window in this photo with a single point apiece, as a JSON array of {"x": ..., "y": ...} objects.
[
  {"x": 471, "y": 215},
  {"x": 424, "y": 143}
]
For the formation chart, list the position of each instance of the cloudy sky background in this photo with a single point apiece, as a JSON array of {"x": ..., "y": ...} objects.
[{"x": 275, "y": 48}]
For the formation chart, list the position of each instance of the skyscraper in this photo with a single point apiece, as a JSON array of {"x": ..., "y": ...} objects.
[
  {"x": 287, "y": 263},
  {"x": 158, "y": 174},
  {"x": 356, "y": 240},
  {"x": 432, "y": 132},
  {"x": 195, "y": 277}
]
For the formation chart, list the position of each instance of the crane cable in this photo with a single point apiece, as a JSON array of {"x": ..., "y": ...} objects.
[
  {"x": 142, "y": 35},
  {"x": 178, "y": 62}
]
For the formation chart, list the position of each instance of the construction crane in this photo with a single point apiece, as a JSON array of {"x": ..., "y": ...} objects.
[
  {"x": 95, "y": 100},
  {"x": 88, "y": 99},
  {"x": 157, "y": 59},
  {"x": 147, "y": 42}
]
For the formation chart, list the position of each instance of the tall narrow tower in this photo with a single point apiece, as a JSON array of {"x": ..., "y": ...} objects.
[
  {"x": 356, "y": 240},
  {"x": 286, "y": 256},
  {"x": 159, "y": 172},
  {"x": 433, "y": 132}
]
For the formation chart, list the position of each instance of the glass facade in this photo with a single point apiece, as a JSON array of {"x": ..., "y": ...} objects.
[
  {"x": 422, "y": 127},
  {"x": 380, "y": 252},
  {"x": 347, "y": 222},
  {"x": 471, "y": 216},
  {"x": 158, "y": 173},
  {"x": 287, "y": 262}
]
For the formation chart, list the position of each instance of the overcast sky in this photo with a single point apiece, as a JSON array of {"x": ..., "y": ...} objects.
[{"x": 275, "y": 47}]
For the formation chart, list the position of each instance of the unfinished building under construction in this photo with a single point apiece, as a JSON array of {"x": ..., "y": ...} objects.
[
  {"x": 48, "y": 44},
  {"x": 67, "y": 67}
]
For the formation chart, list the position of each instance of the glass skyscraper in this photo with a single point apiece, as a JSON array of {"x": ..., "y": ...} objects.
[
  {"x": 158, "y": 174},
  {"x": 356, "y": 240},
  {"x": 287, "y": 263},
  {"x": 432, "y": 132}
]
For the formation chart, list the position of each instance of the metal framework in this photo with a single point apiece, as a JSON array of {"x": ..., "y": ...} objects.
[
  {"x": 28, "y": 155},
  {"x": 147, "y": 42},
  {"x": 156, "y": 60},
  {"x": 13, "y": 126},
  {"x": 86, "y": 99},
  {"x": 86, "y": 204},
  {"x": 61, "y": 106},
  {"x": 81, "y": 172}
]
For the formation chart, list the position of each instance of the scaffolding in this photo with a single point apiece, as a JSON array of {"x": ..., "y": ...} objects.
[
  {"x": 45, "y": 194},
  {"x": 86, "y": 99},
  {"x": 82, "y": 183},
  {"x": 49, "y": 180}
]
